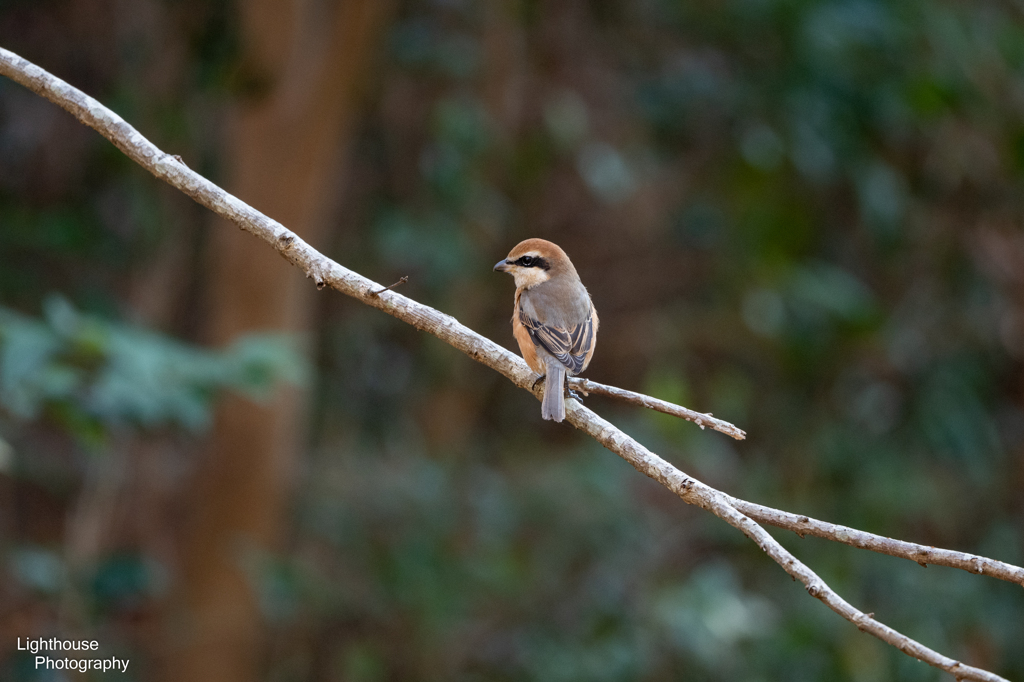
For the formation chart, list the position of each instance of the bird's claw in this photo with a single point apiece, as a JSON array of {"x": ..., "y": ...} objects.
[{"x": 569, "y": 393}]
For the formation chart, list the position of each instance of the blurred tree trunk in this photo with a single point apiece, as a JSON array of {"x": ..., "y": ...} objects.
[{"x": 302, "y": 65}]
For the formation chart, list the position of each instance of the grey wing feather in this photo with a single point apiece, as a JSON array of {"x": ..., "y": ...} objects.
[{"x": 569, "y": 346}]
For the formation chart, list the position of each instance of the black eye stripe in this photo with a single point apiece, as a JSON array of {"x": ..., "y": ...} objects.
[{"x": 533, "y": 262}]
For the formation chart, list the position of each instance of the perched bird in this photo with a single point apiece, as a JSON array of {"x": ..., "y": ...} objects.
[{"x": 554, "y": 321}]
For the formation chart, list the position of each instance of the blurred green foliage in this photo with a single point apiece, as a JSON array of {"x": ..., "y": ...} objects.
[
  {"x": 780, "y": 208},
  {"x": 93, "y": 376}
]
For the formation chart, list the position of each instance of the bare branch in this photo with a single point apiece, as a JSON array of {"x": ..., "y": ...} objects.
[
  {"x": 922, "y": 554},
  {"x": 696, "y": 493},
  {"x": 698, "y": 418},
  {"x": 326, "y": 272}
]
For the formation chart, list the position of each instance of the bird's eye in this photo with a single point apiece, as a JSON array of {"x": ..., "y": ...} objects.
[{"x": 526, "y": 261}]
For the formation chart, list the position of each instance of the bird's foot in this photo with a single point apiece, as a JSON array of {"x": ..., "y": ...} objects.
[
  {"x": 537, "y": 381},
  {"x": 569, "y": 393}
]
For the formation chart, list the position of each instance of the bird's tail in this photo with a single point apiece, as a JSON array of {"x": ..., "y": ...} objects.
[{"x": 553, "y": 406}]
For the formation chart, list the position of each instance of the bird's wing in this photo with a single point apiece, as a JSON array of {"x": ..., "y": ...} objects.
[{"x": 569, "y": 346}]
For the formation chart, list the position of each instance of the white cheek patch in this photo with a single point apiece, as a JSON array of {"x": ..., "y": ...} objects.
[{"x": 530, "y": 277}]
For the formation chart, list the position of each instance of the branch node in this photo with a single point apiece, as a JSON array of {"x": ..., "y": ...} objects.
[
  {"x": 582, "y": 388},
  {"x": 320, "y": 284}
]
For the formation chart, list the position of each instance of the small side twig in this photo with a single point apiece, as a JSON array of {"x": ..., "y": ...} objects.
[
  {"x": 699, "y": 418},
  {"x": 403, "y": 280}
]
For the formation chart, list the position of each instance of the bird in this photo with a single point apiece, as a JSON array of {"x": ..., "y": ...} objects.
[{"x": 554, "y": 320}]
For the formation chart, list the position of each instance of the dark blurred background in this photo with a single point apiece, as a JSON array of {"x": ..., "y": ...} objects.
[{"x": 802, "y": 216}]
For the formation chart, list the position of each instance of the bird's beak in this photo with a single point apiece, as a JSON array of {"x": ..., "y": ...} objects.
[{"x": 502, "y": 266}]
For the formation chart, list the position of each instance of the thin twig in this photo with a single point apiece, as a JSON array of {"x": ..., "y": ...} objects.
[
  {"x": 922, "y": 554},
  {"x": 326, "y": 272},
  {"x": 699, "y": 418},
  {"x": 403, "y": 280}
]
